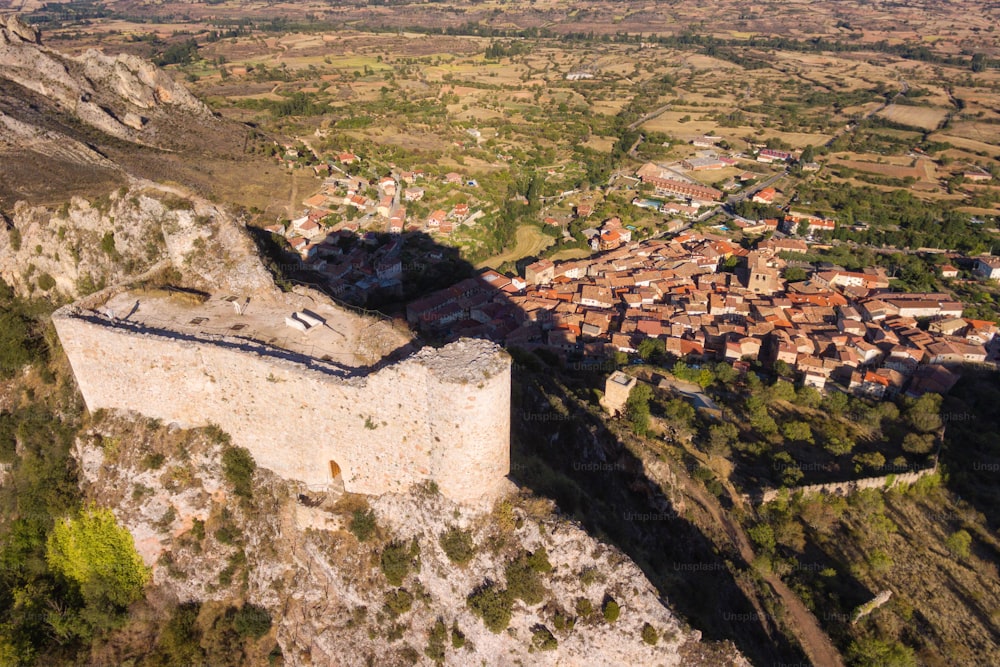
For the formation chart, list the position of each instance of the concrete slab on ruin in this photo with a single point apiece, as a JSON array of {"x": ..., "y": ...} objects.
[{"x": 345, "y": 338}]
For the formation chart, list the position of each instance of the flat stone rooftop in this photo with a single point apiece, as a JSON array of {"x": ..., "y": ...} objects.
[{"x": 330, "y": 333}]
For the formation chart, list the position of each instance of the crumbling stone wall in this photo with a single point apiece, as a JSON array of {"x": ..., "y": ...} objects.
[
  {"x": 441, "y": 414},
  {"x": 848, "y": 487}
]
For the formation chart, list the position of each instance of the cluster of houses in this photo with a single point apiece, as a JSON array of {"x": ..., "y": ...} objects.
[
  {"x": 353, "y": 255},
  {"x": 838, "y": 329},
  {"x": 363, "y": 209}
]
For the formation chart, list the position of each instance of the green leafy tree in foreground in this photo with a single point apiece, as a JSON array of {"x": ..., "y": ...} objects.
[
  {"x": 96, "y": 553},
  {"x": 637, "y": 407}
]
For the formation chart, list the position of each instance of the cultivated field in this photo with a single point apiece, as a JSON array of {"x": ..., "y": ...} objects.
[{"x": 925, "y": 118}]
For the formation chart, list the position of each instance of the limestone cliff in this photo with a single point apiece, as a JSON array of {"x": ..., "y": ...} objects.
[
  {"x": 293, "y": 553},
  {"x": 86, "y": 245},
  {"x": 117, "y": 96},
  {"x": 81, "y": 125}
]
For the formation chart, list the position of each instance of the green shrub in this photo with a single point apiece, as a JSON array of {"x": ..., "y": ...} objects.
[
  {"x": 15, "y": 239},
  {"x": 435, "y": 642},
  {"x": 958, "y": 543},
  {"x": 543, "y": 640},
  {"x": 523, "y": 581},
  {"x": 398, "y": 602},
  {"x": 493, "y": 605},
  {"x": 562, "y": 622},
  {"x": 611, "y": 610},
  {"x": 46, "y": 282},
  {"x": 584, "y": 607},
  {"x": 457, "y": 636},
  {"x": 238, "y": 466},
  {"x": 153, "y": 461},
  {"x": 227, "y": 534},
  {"x": 649, "y": 634},
  {"x": 539, "y": 561},
  {"x": 252, "y": 621},
  {"x": 397, "y": 558},
  {"x": 108, "y": 244},
  {"x": 363, "y": 524},
  {"x": 198, "y": 529},
  {"x": 458, "y": 545},
  {"x": 180, "y": 639}
]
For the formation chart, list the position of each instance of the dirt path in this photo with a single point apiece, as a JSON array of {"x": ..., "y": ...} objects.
[
  {"x": 530, "y": 240},
  {"x": 293, "y": 198},
  {"x": 801, "y": 622}
]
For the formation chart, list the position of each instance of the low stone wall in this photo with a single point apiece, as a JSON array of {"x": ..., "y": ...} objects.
[
  {"x": 851, "y": 486},
  {"x": 440, "y": 415}
]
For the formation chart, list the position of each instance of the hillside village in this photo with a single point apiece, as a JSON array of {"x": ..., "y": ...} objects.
[
  {"x": 707, "y": 298},
  {"x": 704, "y": 295}
]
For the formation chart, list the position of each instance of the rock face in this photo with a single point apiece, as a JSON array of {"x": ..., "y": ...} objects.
[
  {"x": 109, "y": 94},
  {"x": 87, "y": 245},
  {"x": 326, "y": 591}
]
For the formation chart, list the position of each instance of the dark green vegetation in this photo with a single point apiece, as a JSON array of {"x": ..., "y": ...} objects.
[
  {"x": 458, "y": 545},
  {"x": 70, "y": 579},
  {"x": 592, "y": 468},
  {"x": 210, "y": 634},
  {"x": 897, "y": 219},
  {"x": 238, "y": 466},
  {"x": 836, "y": 553}
]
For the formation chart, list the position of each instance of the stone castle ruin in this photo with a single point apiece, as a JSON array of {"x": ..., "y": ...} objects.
[{"x": 305, "y": 386}]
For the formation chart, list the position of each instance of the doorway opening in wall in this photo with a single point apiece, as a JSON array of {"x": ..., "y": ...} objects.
[{"x": 336, "y": 478}]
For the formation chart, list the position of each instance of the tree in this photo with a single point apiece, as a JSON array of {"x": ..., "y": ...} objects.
[
  {"x": 14, "y": 348},
  {"x": 958, "y": 543},
  {"x": 637, "y": 407},
  {"x": 918, "y": 443},
  {"x": 98, "y": 555},
  {"x": 835, "y": 402},
  {"x": 651, "y": 347},
  {"x": 923, "y": 414},
  {"x": 798, "y": 431},
  {"x": 782, "y": 391},
  {"x": 808, "y": 154},
  {"x": 794, "y": 274},
  {"x": 872, "y": 460},
  {"x": 721, "y": 438}
]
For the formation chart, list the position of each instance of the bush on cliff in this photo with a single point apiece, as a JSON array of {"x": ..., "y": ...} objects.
[
  {"x": 458, "y": 545},
  {"x": 523, "y": 580},
  {"x": 238, "y": 467},
  {"x": 397, "y": 559},
  {"x": 611, "y": 610},
  {"x": 362, "y": 524},
  {"x": 493, "y": 605}
]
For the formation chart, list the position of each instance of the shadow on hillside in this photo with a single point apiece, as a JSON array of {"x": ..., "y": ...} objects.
[
  {"x": 562, "y": 447},
  {"x": 970, "y": 455}
]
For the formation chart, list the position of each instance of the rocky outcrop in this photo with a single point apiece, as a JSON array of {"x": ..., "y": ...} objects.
[
  {"x": 87, "y": 245},
  {"x": 116, "y": 95},
  {"x": 326, "y": 590}
]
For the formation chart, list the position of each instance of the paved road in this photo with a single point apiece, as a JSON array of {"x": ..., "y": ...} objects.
[{"x": 735, "y": 199}]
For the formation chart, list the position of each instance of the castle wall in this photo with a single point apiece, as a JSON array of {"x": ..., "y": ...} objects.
[
  {"x": 441, "y": 415},
  {"x": 848, "y": 487}
]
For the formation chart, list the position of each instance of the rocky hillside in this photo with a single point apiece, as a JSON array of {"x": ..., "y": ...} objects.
[
  {"x": 124, "y": 96},
  {"x": 86, "y": 245},
  {"x": 399, "y": 579},
  {"x": 82, "y": 125}
]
